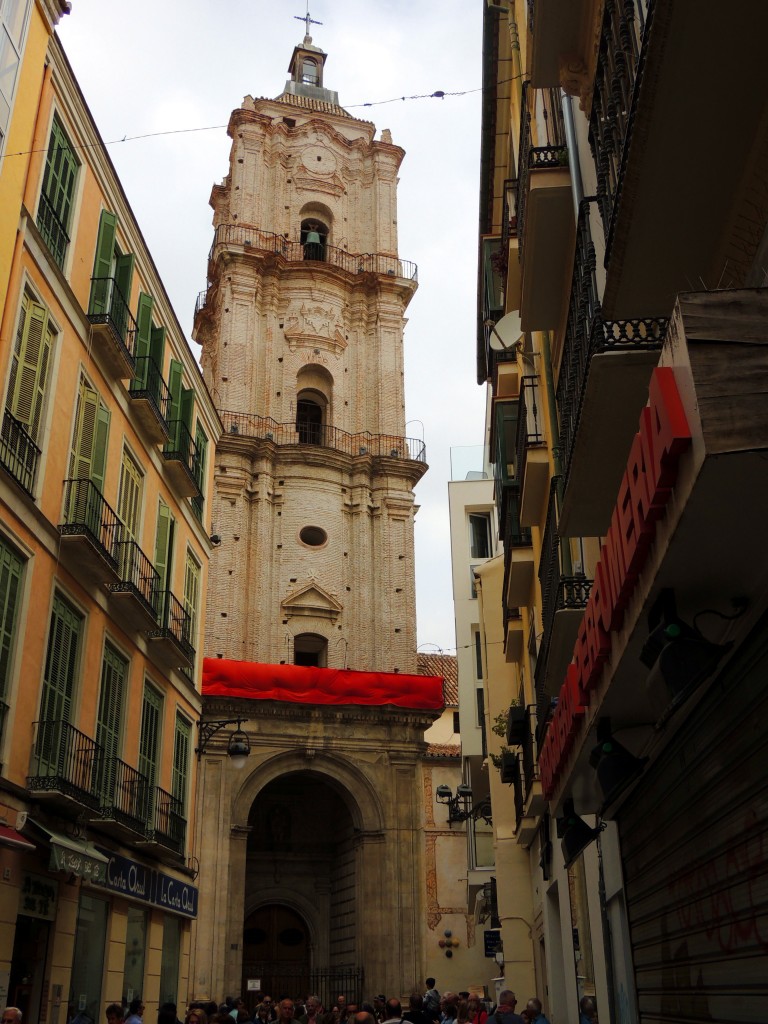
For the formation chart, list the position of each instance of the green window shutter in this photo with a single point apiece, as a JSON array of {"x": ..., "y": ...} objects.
[
  {"x": 144, "y": 331},
  {"x": 157, "y": 347},
  {"x": 60, "y": 174},
  {"x": 191, "y": 593},
  {"x": 124, "y": 276},
  {"x": 99, "y": 463},
  {"x": 181, "y": 746},
  {"x": 129, "y": 495},
  {"x": 187, "y": 406},
  {"x": 101, "y": 286},
  {"x": 201, "y": 454},
  {"x": 174, "y": 386},
  {"x": 89, "y": 448},
  {"x": 11, "y": 568},
  {"x": 29, "y": 370},
  {"x": 61, "y": 662},
  {"x": 114, "y": 673},
  {"x": 163, "y": 539},
  {"x": 151, "y": 716}
]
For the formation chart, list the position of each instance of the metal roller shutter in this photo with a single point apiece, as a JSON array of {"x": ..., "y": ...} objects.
[{"x": 695, "y": 849}]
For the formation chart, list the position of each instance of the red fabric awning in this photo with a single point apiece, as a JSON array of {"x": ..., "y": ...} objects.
[
  {"x": 10, "y": 837},
  {"x": 306, "y": 684}
]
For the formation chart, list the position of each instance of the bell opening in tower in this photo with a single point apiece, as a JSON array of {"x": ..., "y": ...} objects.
[
  {"x": 314, "y": 235},
  {"x": 309, "y": 421},
  {"x": 310, "y": 649}
]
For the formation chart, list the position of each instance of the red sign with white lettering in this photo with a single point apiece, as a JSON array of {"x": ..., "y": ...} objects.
[{"x": 644, "y": 491}]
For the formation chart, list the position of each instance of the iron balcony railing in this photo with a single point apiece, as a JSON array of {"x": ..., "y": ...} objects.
[
  {"x": 509, "y": 212},
  {"x": 168, "y": 826},
  {"x": 587, "y": 334},
  {"x": 149, "y": 384},
  {"x": 255, "y": 240},
  {"x": 53, "y": 231},
  {"x": 515, "y": 536},
  {"x": 564, "y": 584},
  {"x": 174, "y": 623},
  {"x": 529, "y": 751},
  {"x": 504, "y": 480},
  {"x": 107, "y": 305},
  {"x": 19, "y": 455},
  {"x": 361, "y": 443},
  {"x": 543, "y": 106},
  {"x": 618, "y": 76},
  {"x": 200, "y": 301},
  {"x": 87, "y": 514},
  {"x": 517, "y": 787},
  {"x": 125, "y": 794},
  {"x": 530, "y": 428},
  {"x": 181, "y": 447},
  {"x": 66, "y": 761},
  {"x": 137, "y": 576}
]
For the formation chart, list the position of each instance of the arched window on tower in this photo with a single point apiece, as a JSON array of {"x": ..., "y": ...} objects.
[
  {"x": 309, "y": 72},
  {"x": 314, "y": 235},
  {"x": 309, "y": 420},
  {"x": 310, "y": 649}
]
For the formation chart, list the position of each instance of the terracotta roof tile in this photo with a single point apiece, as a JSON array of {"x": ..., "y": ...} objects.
[
  {"x": 444, "y": 750},
  {"x": 444, "y": 665}
]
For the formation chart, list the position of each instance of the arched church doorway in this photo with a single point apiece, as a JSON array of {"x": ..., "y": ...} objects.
[{"x": 299, "y": 926}]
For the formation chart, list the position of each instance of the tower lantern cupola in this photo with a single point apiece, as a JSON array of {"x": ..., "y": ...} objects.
[{"x": 306, "y": 70}]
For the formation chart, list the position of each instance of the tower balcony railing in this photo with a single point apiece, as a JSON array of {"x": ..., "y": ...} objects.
[
  {"x": 360, "y": 443},
  {"x": 255, "y": 240},
  {"x": 617, "y": 80},
  {"x": 19, "y": 455},
  {"x": 565, "y": 589}
]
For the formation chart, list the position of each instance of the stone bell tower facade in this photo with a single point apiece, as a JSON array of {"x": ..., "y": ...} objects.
[
  {"x": 302, "y": 335},
  {"x": 301, "y": 327}
]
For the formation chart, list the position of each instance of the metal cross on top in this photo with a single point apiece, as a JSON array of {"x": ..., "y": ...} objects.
[{"x": 306, "y": 19}]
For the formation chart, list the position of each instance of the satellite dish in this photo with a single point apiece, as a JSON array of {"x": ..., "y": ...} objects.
[{"x": 507, "y": 332}]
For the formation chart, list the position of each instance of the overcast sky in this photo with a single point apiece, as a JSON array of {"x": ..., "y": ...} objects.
[{"x": 170, "y": 65}]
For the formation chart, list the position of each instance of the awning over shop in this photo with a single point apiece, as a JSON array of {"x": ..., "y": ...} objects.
[
  {"x": 75, "y": 856},
  {"x": 10, "y": 837},
  {"x": 307, "y": 684}
]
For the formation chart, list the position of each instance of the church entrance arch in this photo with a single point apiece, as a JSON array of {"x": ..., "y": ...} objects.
[{"x": 301, "y": 878}]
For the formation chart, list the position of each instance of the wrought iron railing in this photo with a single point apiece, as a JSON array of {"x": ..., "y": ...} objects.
[
  {"x": 200, "y": 301},
  {"x": 125, "y": 794},
  {"x": 324, "y": 982},
  {"x": 529, "y": 752},
  {"x": 587, "y": 334},
  {"x": 530, "y": 426},
  {"x": 66, "y": 761},
  {"x": 504, "y": 479},
  {"x": 19, "y": 455},
  {"x": 618, "y": 76},
  {"x": 255, "y": 240},
  {"x": 361, "y": 443},
  {"x": 107, "y": 305},
  {"x": 564, "y": 584},
  {"x": 149, "y": 384},
  {"x": 168, "y": 826},
  {"x": 174, "y": 623},
  {"x": 138, "y": 576},
  {"x": 517, "y": 788},
  {"x": 88, "y": 514},
  {"x": 181, "y": 447},
  {"x": 509, "y": 211},
  {"x": 53, "y": 231},
  {"x": 543, "y": 105}
]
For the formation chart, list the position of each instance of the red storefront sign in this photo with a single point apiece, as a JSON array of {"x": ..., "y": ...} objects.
[{"x": 645, "y": 488}]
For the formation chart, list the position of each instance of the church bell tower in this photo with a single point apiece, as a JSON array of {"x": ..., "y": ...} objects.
[{"x": 301, "y": 328}]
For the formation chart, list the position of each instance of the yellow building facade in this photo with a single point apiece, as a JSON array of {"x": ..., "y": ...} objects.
[
  {"x": 621, "y": 284},
  {"x": 105, "y": 477}
]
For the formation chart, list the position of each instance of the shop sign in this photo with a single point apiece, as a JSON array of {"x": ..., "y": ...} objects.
[
  {"x": 492, "y": 941},
  {"x": 645, "y": 489},
  {"x": 38, "y": 896},
  {"x": 139, "y": 882},
  {"x": 76, "y": 862}
]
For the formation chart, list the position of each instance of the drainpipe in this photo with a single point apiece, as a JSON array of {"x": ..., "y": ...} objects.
[
  {"x": 517, "y": 67},
  {"x": 573, "y": 153}
]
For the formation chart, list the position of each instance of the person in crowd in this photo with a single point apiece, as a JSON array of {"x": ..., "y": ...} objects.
[
  {"x": 534, "y": 1011},
  {"x": 364, "y": 1016},
  {"x": 505, "y": 1011},
  {"x": 477, "y": 1011},
  {"x": 462, "y": 1012},
  {"x": 196, "y": 1015},
  {"x": 269, "y": 1006},
  {"x": 431, "y": 999},
  {"x": 285, "y": 1011},
  {"x": 449, "y": 1006},
  {"x": 114, "y": 1013},
  {"x": 135, "y": 1011},
  {"x": 12, "y": 1015},
  {"x": 393, "y": 1012},
  {"x": 166, "y": 1014},
  {"x": 588, "y": 1010},
  {"x": 379, "y": 1007},
  {"x": 313, "y": 1011},
  {"x": 415, "y": 1014}
]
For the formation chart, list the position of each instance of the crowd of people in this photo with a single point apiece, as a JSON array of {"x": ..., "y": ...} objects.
[{"x": 429, "y": 1008}]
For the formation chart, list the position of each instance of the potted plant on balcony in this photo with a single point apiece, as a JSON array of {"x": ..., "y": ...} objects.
[{"x": 505, "y": 759}]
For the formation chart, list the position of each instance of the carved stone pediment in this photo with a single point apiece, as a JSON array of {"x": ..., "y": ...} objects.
[
  {"x": 312, "y": 600},
  {"x": 332, "y": 186},
  {"x": 314, "y": 326}
]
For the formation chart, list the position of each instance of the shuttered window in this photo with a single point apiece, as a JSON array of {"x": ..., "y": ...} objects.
[
  {"x": 151, "y": 717},
  {"x": 191, "y": 594},
  {"x": 163, "y": 544},
  {"x": 143, "y": 336},
  {"x": 30, "y": 366},
  {"x": 174, "y": 408},
  {"x": 55, "y": 210},
  {"x": 61, "y": 661},
  {"x": 181, "y": 747},
  {"x": 201, "y": 454},
  {"x": 114, "y": 673},
  {"x": 89, "y": 443},
  {"x": 129, "y": 495},
  {"x": 11, "y": 568}
]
